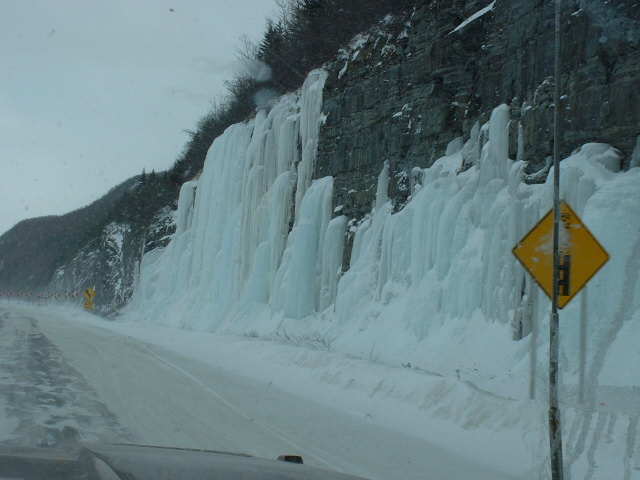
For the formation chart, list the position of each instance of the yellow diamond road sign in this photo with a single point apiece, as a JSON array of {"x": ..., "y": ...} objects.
[
  {"x": 89, "y": 293},
  {"x": 581, "y": 256}
]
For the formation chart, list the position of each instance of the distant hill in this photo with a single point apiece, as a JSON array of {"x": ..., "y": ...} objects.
[{"x": 33, "y": 249}]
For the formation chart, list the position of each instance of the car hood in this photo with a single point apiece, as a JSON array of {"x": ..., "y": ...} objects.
[{"x": 142, "y": 462}]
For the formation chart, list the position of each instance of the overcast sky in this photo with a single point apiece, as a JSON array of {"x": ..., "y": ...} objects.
[{"x": 92, "y": 91}]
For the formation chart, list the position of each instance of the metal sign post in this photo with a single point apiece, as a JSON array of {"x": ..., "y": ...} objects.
[{"x": 555, "y": 430}]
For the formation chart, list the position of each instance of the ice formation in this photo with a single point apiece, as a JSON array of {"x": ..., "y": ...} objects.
[
  {"x": 232, "y": 242},
  {"x": 257, "y": 248}
]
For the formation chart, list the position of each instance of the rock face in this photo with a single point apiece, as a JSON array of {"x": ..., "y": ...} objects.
[{"x": 412, "y": 85}]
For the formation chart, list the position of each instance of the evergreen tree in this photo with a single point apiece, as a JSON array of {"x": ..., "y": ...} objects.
[{"x": 305, "y": 34}]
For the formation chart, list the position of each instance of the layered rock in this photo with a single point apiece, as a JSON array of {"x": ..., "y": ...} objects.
[{"x": 410, "y": 86}]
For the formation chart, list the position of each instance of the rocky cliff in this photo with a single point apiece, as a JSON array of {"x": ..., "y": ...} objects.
[{"x": 406, "y": 88}]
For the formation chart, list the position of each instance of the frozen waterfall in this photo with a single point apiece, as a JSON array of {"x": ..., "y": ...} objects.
[{"x": 435, "y": 285}]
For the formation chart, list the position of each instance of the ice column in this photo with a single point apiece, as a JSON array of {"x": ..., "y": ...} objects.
[
  {"x": 300, "y": 277},
  {"x": 310, "y": 109},
  {"x": 331, "y": 260},
  {"x": 451, "y": 242},
  {"x": 382, "y": 195},
  {"x": 185, "y": 206}
]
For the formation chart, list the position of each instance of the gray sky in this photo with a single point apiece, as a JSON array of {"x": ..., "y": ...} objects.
[{"x": 92, "y": 91}]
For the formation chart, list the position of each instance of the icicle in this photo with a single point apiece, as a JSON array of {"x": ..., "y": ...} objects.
[
  {"x": 311, "y": 103},
  {"x": 520, "y": 154},
  {"x": 496, "y": 154},
  {"x": 298, "y": 279},
  {"x": 185, "y": 206},
  {"x": 471, "y": 148},
  {"x": 332, "y": 250},
  {"x": 382, "y": 196}
]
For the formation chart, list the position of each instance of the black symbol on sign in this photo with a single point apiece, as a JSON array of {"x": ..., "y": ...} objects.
[
  {"x": 564, "y": 270},
  {"x": 566, "y": 218}
]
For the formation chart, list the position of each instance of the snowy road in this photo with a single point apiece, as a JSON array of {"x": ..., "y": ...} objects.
[
  {"x": 44, "y": 401},
  {"x": 159, "y": 397}
]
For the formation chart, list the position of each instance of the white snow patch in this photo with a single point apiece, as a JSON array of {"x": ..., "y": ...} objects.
[
  {"x": 343, "y": 70},
  {"x": 473, "y": 17}
]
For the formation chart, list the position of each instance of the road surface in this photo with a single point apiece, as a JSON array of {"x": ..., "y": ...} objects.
[{"x": 64, "y": 379}]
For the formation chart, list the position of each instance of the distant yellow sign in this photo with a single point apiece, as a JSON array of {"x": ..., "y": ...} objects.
[
  {"x": 581, "y": 256},
  {"x": 88, "y": 293}
]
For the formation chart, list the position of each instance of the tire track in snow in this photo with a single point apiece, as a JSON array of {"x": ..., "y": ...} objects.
[
  {"x": 631, "y": 440},
  {"x": 595, "y": 441},
  {"x": 583, "y": 421},
  {"x": 131, "y": 420},
  {"x": 613, "y": 418},
  {"x": 48, "y": 402}
]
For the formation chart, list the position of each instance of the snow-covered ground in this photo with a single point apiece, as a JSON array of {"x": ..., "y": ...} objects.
[
  {"x": 43, "y": 401},
  {"x": 180, "y": 388}
]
